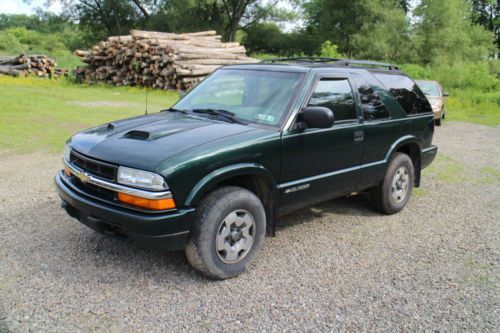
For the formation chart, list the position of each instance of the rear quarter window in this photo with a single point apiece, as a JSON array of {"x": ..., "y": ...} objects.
[
  {"x": 372, "y": 105},
  {"x": 406, "y": 93}
]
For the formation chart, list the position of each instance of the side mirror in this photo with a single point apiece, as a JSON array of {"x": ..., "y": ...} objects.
[
  {"x": 445, "y": 94},
  {"x": 316, "y": 117}
]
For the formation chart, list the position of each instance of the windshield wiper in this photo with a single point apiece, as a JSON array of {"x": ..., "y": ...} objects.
[{"x": 227, "y": 115}]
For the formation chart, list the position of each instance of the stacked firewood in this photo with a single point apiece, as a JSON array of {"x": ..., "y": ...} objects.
[
  {"x": 21, "y": 65},
  {"x": 158, "y": 60}
]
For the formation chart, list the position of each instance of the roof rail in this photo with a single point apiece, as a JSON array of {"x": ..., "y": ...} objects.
[
  {"x": 302, "y": 59},
  {"x": 335, "y": 62},
  {"x": 351, "y": 62}
]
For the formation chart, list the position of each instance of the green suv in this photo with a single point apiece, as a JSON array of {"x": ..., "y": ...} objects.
[{"x": 250, "y": 143}]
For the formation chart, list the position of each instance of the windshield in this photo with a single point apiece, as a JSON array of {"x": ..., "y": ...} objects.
[
  {"x": 262, "y": 97},
  {"x": 429, "y": 88}
]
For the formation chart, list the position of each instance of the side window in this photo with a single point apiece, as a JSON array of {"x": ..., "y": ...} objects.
[
  {"x": 406, "y": 93},
  {"x": 335, "y": 94},
  {"x": 372, "y": 105}
]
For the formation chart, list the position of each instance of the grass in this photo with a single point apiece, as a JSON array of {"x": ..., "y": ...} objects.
[
  {"x": 40, "y": 114},
  {"x": 419, "y": 192},
  {"x": 68, "y": 61},
  {"x": 488, "y": 175},
  {"x": 474, "y": 106},
  {"x": 446, "y": 169}
]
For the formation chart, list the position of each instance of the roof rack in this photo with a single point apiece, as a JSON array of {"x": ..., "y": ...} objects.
[{"x": 334, "y": 62}]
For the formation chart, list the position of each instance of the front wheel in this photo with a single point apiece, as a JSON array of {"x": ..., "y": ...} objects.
[
  {"x": 228, "y": 232},
  {"x": 394, "y": 192}
]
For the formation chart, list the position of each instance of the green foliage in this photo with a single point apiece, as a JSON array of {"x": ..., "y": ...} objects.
[
  {"x": 268, "y": 38},
  {"x": 473, "y": 87},
  {"x": 383, "y": 32},
  {"x": 445, "y": 33},
  {"x": 474, "y": 106},
  {"x": 458, "y": 75},
  {"x": 330, "y": 50},
  {"x": 264, "y": 56},
  {"x": 43, "y": 22},
  {"x": 117, "y": 17},
  {"x": 66, "y": 31},
  {"x": 487, "y": 14},
  {"x": 15, "y": 41},
  {"x": 375, "y": 29}
]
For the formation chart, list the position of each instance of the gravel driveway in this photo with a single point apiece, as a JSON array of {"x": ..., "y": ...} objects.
[{"x": 337, "y": 266}]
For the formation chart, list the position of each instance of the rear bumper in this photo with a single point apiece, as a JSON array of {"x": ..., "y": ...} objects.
[
  {"x": 164, "y": 231},
  {"x": 428, "y": 155}
]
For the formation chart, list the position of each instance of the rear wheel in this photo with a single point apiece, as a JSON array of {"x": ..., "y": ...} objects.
[
  {"x": 228, "y": 232},
  {"x": 394, "y": 192}
]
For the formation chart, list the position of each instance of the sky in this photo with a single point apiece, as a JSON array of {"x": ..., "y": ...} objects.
[{"x": 20, "y": 7}]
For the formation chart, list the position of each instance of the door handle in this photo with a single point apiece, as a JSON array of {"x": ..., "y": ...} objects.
[{"x": 359, "y": 136}]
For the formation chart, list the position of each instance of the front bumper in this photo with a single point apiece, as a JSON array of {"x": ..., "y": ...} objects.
[
  {"x": 437, "y": 114},
  {"x": 164, "y": 231}
]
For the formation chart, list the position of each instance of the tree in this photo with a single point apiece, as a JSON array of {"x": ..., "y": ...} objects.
[
  {"x": 446, "y": 32},
  {"x": 105, "y": 18},
  {"x": 234, "y": 10},
  {"x": 114, "y": 17},
  {"x": 374, "y": 29},
  {"x": 487, "y": 14},
  {"x": 384, "y": 32}
]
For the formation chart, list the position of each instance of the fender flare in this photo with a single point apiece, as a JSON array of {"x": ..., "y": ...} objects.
[
  {"x": 408, "y": 139},
  {"x": 229, "y": 171},
  {"x": 401, "y": 142}
]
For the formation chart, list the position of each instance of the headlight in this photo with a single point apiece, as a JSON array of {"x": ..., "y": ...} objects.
[
  {"x": 67, "y": 153},
  {"x": 435, "y": 107},
  {"x": 139, "y": 178}
]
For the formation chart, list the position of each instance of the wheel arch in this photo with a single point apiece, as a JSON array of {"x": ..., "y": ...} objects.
[
  {"x": 253, "y": 177},
  {"x": 410, "y": 146}
]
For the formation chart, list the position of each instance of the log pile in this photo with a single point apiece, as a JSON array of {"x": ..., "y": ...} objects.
[
  {"x": 21, "y": 65},
  {"x": 158, "y": 60}
]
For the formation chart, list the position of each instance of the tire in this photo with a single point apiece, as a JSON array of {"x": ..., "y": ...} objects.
[
  {"x": 214, "y": 248},
  {"x": 384, "y": 197},
  {"x": 437, "y": 122}
]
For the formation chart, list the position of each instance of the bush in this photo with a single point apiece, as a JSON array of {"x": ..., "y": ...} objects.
[
  {"x": 461, "y": 75},
  {"x": 330, "y": 50},
  {"x": 58, "y": 45},
  {"x": 473, "y": 87}
]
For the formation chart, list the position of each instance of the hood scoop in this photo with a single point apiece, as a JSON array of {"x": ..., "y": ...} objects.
[
  {"x": 137, "y": 135},
  {"x": 152, "y": 135}
]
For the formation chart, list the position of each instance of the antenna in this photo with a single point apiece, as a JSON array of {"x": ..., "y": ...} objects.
[{"x": 146, "y": 113}]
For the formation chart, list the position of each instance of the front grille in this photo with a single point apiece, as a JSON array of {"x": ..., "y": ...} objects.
[
  {"x": 94, "y": 190},
  {"x": 97, "y": 168}
]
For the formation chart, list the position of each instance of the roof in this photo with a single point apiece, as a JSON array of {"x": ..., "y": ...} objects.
[{"x": 304, "y": 64}]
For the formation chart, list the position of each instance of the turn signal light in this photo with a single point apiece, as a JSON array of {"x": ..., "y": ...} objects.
[
  {"x": 152, "y": 204},
  {"x": 67, "y": 172}
]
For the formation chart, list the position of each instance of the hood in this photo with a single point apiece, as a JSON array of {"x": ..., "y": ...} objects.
[{"x": 143, "y": 142}]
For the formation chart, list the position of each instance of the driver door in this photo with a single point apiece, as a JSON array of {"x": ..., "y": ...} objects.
[{"x": 319, "y": 164}]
